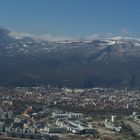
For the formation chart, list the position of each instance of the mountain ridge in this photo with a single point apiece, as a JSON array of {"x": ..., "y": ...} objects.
[{"x": 84, "y": 64}]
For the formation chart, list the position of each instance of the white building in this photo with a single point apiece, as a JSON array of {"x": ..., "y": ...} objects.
[{"x": 68, "y": 115}]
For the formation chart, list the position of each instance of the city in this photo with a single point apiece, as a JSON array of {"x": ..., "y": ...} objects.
[{"x": 64, "y": 113}]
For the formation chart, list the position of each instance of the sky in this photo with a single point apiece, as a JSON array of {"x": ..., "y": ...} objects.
[{"x": 71, "y": 18}]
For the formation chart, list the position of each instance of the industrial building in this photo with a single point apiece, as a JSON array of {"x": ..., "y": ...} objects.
[
  {"x": 112, "y": 127},
  {"x": 76, "y": 127}
]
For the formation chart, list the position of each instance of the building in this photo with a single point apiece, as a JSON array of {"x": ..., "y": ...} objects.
[
  {"x": 76, "y": 127},
  {"x": 112, "y": 127},
  {"x": 68, "y": 115}
]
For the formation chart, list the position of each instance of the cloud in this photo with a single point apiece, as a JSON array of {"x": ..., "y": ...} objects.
[
  {"x": 116, "y": 37},
  {"x": 45, "y": 37},
  {"x": 93, "y": 36},
  {"x": 109, "y": 34},
  {"x": 20, "y": 35},
  {"x": 52, "y": 37}
]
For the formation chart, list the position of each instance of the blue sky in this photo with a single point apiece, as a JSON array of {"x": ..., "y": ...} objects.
[{"x": 72, "y": 17}]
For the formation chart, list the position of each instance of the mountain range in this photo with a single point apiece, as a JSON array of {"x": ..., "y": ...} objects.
[{"x": 79, "y": 64}]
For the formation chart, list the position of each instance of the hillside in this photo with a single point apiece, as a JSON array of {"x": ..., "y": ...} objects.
[{"x": 106, "y": 62}]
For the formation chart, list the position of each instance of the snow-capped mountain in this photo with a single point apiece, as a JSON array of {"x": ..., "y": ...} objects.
[{"x": 85, "y": 63}]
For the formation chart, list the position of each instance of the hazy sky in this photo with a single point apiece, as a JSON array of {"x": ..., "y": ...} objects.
[{"x": 72, "y": 17}]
